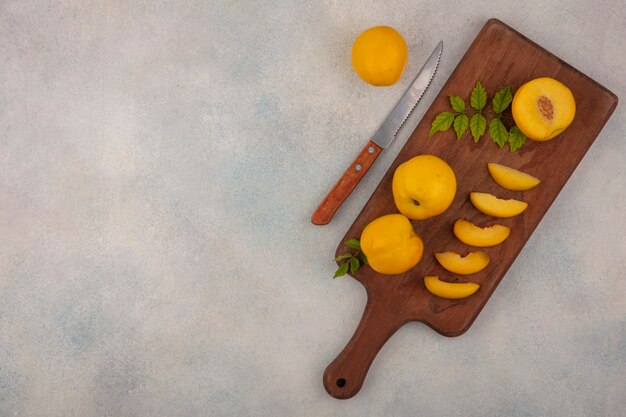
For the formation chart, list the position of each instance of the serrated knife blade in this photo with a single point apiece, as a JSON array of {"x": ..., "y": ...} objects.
[{"x": 381, "y": 140}]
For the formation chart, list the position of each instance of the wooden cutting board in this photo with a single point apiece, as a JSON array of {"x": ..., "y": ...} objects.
[{"x": 499, "y": 55}]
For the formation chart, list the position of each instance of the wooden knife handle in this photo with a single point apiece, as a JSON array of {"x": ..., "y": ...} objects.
[
  {"x": 324, "y": 213},
  {"x": 344, "y": 377}
]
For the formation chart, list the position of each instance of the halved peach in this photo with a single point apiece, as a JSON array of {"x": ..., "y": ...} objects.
[
  {"x": 511, "y": 178},
  {"x": 451, "y": 290},
  {"x": 482, "y": 237},
  {"x": 496, "y": 207},
  {"x": 543, "y": 108},
  {"x": 464, "y": 265}
]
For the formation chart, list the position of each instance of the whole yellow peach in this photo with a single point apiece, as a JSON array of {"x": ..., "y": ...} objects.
[
  {"x": 379, "y": 56},
  {"x": 391, "y": 244},
  {"x": 543, "y": 108},
  {"x": 423, "y": 187}
]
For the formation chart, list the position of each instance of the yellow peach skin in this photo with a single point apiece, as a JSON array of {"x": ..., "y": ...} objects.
[
  {"x": 481, "y": 237},
  {"x": 496, "y": 207},
  {"x": 391, "y": 245},
  {"x": 379, "y": 56},
  {"x": 543, "y": 108},
  {"x": 464, "y": 265},
  {"x": 450, "y": 290},
  {"x": 510, "y": 178},
  {"x": 423, "y": 187}
]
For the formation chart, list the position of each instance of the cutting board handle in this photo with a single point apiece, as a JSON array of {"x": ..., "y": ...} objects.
[{"x": 344, "y": 377}]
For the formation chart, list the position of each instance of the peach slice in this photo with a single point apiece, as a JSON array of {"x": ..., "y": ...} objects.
[
  {"x": 464, "y": 265},
  {"x": 451, "y": 290},
  {"x": 496, "y": 207},
  {"x": 543, "y": 108},
  {"x": 510, "y": 178},
  {"x": 481, "y": 237}
]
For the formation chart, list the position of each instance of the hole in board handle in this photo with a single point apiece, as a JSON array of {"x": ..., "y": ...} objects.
[{"x": 341, "y": 382}]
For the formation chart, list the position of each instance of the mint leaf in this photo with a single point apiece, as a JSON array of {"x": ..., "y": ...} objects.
[
  {"x": 342, "y": 270},
  {"x": 460, "y": 125},
  {"x": 354, "y": 265},
  {"x": 516, "y": 138},
  {"x": 363, "y": 258},
  {"x": 457, "y": 103},
  {"x": 478, "y": 97},
  {"x": 442, "y": 122},
  {"x": 478, "y": 124},
  {"x": 498, "y": 132},
  {"x": 353, "y": 244},
  {"x": 502, "y": 99},
  {"x": 344, "y": 256}
]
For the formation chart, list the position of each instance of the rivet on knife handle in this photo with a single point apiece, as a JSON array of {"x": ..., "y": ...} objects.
[{"x": 346, "y": 184}]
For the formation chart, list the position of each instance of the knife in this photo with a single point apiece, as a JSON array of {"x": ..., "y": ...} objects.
[{"x": 381, "y": 139}]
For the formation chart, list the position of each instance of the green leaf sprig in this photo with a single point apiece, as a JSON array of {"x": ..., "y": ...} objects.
[
  {"x": 351, "y": 261},
  {"x": 460, "y": 119}
]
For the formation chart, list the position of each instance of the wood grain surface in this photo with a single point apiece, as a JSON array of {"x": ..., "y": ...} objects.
[{"x": 498, "y": 56}]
